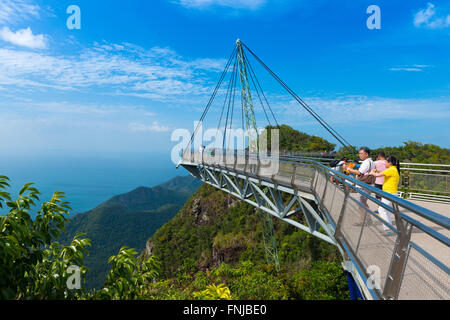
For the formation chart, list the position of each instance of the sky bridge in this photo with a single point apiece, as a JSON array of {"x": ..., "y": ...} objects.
[{"x": 412, "y": 263}]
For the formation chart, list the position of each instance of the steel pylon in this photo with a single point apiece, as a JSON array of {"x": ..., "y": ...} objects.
[{"x": 270, "y": 244}]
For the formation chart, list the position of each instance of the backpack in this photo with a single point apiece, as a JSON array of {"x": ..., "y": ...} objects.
[{"x": 334, "y": 163}]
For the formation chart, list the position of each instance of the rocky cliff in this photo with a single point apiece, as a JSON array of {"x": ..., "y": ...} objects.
[{"x": 214, "y": 227}]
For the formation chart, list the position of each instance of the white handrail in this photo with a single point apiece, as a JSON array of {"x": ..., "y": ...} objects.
[{"x": 424, "y": 164}]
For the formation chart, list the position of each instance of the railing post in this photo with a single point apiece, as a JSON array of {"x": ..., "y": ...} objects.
[
  {"x": 314, "y": 175},
  {"x": 406, "y": 182},
  {"x": 399, "y": 257},
  {"x": 338, "y": 232},
  {"x": 325, "y": 188},
  {"x": 293, "y": 175},
  {"x": 317, "y": 179},
  {"x": 361, "y": 232},
  {"x": 223, "y": 165},
  {"x": 245, "y": 163},
  {"x": 258, "y": 168}
]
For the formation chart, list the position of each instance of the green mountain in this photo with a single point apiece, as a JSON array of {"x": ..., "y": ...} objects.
[
  {"x": 294, "y": 140},
  {"x": 127, "y": 219}
]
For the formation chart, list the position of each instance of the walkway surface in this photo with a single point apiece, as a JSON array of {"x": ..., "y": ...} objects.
[{"x": 420, "y": 271}]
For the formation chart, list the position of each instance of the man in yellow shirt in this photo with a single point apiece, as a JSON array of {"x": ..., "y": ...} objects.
[{"x": 391, "y": 179}]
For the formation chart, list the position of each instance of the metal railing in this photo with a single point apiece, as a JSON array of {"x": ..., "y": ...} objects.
[
  {"x": 426, "y": 182},
  {"x": 406, "y": 266},
  {"x": 419, "y": 181}
]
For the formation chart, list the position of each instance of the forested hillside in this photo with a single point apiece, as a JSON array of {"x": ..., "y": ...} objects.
[
  {"x": 217, "y": 238},
  {"x": 294, "y": 140},
  {"x": 127, "y": 219}
]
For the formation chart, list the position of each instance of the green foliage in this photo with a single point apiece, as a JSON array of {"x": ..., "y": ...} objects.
[
  {"x": 250, "y": 281},
  {"x": 410, "y": 151},
  {"x": 232, "y": 234},
  {"x": 51, "y": 274},
  {"x": 323, "y": 280},
  {"x": 32, "y": 265},
  {"x": 128, "y": 278},
  {"x": 293, "y": 140},
  {"x": 213, "y": 292},
  {"x": 35, "y": 266},
  {"x": 347, "y": 152},
  {"x": 417, "y": 152},
  {"x": 225, "y": 243}
]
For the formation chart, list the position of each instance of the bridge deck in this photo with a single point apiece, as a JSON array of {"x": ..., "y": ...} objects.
[
  {"x": 419, "y": 273},
  {"x": 420, "y": 237}
]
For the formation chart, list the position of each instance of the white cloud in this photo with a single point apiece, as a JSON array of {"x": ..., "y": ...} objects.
[
  {"x": 13, "y": 11},
  {"x": 427, "y": 18},
  {"x": 125, "y": 69},
  {"x": 76, "y": 112},
  {"x": 415, "y": 67},
  {"x": 154, "y": 127},
  {"x": 24, "y": 38},
  {"x": 235, "y": 4},
  {"x": 405, "y": 69},
  {"x": 352, "y": 110}
]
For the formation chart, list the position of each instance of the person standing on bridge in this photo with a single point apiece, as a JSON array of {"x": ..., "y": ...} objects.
[
  {"x": 380, "y": 166},
  {"x": 391, "y": 179},
  {"x": 366, "y": 166}
]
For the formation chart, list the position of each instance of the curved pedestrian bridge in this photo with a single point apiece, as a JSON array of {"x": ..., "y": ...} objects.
[{"x": 412, "y": 263}]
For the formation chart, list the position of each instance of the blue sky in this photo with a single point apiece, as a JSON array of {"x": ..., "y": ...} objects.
[{"x": 138, "y": 70}]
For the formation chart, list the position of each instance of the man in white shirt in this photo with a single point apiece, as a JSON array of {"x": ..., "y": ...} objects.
[{"x": 366, "y": 166}]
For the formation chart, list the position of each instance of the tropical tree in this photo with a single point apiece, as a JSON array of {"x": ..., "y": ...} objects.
[
  {"x": 128, "y": 278},
  {"x": 32, "y": 264}
]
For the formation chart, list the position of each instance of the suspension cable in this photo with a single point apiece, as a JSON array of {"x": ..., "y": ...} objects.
[
  {"x": 256, "y": 89},
  {"x": 224, "y": 104},
  {"x": 232, "y": 106},
  {"x": 211, "y": 99},
  {"x": 261, "y": 90},
  {"x": 319, "y": 119},
  {"x": 229, "y": 103}
]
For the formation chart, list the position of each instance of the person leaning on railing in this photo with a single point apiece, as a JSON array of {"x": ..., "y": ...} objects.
[
  {"x": 380, "y": 166},
  {"x": 361, "y": 174},
  {"x": 391, "y": 179}
]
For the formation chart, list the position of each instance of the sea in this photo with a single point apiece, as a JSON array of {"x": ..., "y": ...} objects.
[{"x": 87, "y": 179}]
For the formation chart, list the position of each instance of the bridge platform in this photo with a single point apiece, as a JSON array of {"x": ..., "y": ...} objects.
[{"x": 412, "y": 263}]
